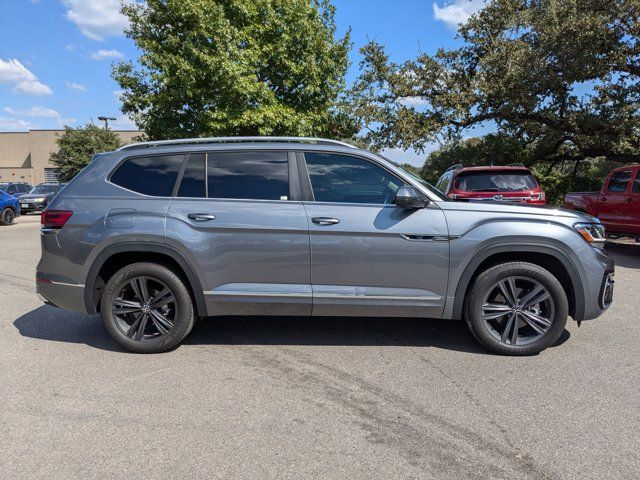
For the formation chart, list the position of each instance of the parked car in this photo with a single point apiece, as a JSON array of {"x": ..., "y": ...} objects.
[
  {"x": 17, "y": 189},
  {"x": 39, "y": 197},
  {"x": 9, "y": 208},
  {"x": 511, "y": 183},
  {"x": 617, "y": 204},
  {"x": 158, "y": 233}
]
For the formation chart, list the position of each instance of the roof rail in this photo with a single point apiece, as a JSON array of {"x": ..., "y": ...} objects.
[
  {"x": 200, "y": 141},
  {"x": 454, "y": 167}
]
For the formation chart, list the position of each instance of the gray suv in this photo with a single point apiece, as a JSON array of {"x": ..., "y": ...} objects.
[{"x": 157, "y": 234}]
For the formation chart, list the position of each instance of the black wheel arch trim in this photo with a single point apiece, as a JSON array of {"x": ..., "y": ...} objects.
[
  {"x": 143, "y": 247},
  {"x": 476, "y": 261}
]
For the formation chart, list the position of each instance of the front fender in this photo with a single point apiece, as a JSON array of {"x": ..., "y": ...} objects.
[{"x": 471, "y": 249}]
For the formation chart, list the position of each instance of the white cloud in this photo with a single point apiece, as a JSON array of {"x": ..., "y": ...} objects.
[
  {"x": 102, "y": 54},
  {"x": 97, "y": 19},
  {"x": 123, "y": 123},
  {"x": 457, "y": 11},
  {"x": 13, "y": 71},
  {"x": 34, "y": 112},
  {"x": 14, "y": 124},
  {"x": 32, "y": 88},
  {"x": 412, "y": 101},
  {"x": 76, "y": 86}
]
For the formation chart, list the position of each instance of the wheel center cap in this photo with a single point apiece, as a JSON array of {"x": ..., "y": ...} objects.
[{"x": 146, "y": 308}]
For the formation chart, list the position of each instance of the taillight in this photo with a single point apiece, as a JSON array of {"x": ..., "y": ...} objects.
[{"x": 55, "y": 218}]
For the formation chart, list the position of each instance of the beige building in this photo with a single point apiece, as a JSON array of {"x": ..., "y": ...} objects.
[{"x": 24, "y": 156}]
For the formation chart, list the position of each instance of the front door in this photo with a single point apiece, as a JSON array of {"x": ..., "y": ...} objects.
[
  {"x": 613, "y": 203},
  {"x": 368, "y": 256},
  {"x": 243, "y": 227}
]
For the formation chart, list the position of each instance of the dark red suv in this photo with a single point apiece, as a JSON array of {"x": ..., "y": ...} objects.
[{"x": 511, "y": 183}]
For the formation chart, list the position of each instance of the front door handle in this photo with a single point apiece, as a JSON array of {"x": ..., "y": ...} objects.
[
  {"x": 201, "y": 217},
  {"x": 629, "y": 200},
  {"x": 325, "y": 221}
]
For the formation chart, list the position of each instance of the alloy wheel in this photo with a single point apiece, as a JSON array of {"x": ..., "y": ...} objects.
[
  {"x": 518, "y": 310},
  {"x": 145, "y": 309}
]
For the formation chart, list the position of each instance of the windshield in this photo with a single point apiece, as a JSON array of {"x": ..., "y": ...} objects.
[
  {"x": 495, "y": 181},
  {"x": 45, "y": 189},
  {"x": 3, "y": 186}
]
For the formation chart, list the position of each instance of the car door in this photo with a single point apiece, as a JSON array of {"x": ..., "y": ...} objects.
[
  {"x": 613, "y": 202},
  {"x": 632, "y": 206},
  {"x": 240, "y": 221},
  {"x": 368, "y": 256}
]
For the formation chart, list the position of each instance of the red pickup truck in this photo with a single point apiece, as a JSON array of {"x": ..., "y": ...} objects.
[{"x": 617, "y": 204}]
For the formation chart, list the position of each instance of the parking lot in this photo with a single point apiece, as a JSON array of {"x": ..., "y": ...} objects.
[{"x": 312, "y": 398}]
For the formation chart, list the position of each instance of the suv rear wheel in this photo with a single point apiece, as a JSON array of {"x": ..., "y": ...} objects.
[
  {"x": 147, "y": 308},
  {"x": 516, "y": 308}
]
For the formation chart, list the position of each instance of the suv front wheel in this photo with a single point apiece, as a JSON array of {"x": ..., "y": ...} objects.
[
  {"x": 147, "y": 308},
  {"x": 516, "y": 308}
]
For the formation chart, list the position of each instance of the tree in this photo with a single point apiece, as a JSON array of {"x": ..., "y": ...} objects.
[
  {"x": 242, "y": 67},
  {"x": 76, "y": 146},
  {"x": 560, "y": 77}
]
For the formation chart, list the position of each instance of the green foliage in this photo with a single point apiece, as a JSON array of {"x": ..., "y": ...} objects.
[
  {"x": 78, "y": 145},
  {"x": 561, "y": 77},
  {"x": 242, "y": 67}
]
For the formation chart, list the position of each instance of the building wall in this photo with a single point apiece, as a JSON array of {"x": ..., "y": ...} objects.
[{"x": 25, "y": 155}]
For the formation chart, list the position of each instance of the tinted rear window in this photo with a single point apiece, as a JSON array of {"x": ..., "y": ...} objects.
[
  {"x": 248, "y": 175},
  {"x": 193, "y": 183},
  {"x": 154, "y": 176},
  {"x": 495, "y": 181}
]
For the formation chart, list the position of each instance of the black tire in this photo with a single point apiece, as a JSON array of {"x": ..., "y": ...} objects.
[
  {"x": 485, "y": 285},
  {"x": 180, "y": 311},
  {"x": 7, "y": 216}
]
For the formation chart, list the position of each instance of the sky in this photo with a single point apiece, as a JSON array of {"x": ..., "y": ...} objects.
[{"x": 56, "y": 55}]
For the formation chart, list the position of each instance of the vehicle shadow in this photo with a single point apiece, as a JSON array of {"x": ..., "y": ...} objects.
[
  {"x": 53, "y": 324},
  {"x": 624, "y": 254},
  {"x": 57, "y": 325}
]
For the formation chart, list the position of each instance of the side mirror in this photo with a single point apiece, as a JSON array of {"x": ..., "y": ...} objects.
[{"x": 410, "y": 198}]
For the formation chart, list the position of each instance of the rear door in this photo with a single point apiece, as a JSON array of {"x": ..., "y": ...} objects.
[
  {"x": 613, "y": 204},
  {"x": 368, "y": 256},
  {"x": 240, "y": 220}
]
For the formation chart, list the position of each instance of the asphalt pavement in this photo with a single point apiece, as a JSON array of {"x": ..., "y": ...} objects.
[{"x": 298, "y": 398}]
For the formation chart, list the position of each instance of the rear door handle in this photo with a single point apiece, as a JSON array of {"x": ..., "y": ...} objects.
[
  {"x": 325, "y": 221},
  {"x": 201, "y": 217},
  {"x": 629, "y": 200}
]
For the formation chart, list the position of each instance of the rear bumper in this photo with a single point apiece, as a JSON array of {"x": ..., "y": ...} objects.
[{"x": 62, "y": 295}]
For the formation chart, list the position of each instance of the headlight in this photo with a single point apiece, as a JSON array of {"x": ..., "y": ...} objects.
[
  {"x": 592, "y": 233},
  {"x": 39, "y": 200}
]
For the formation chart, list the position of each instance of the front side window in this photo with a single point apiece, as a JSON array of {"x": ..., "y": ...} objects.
[
  {"x": 619, "y": 181},
  {"x": 347, "y": 179},
  {"x": 636, "y": 183},
  {"x": 155, "y": 175},
  {"x": 259, "y": 175}
]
